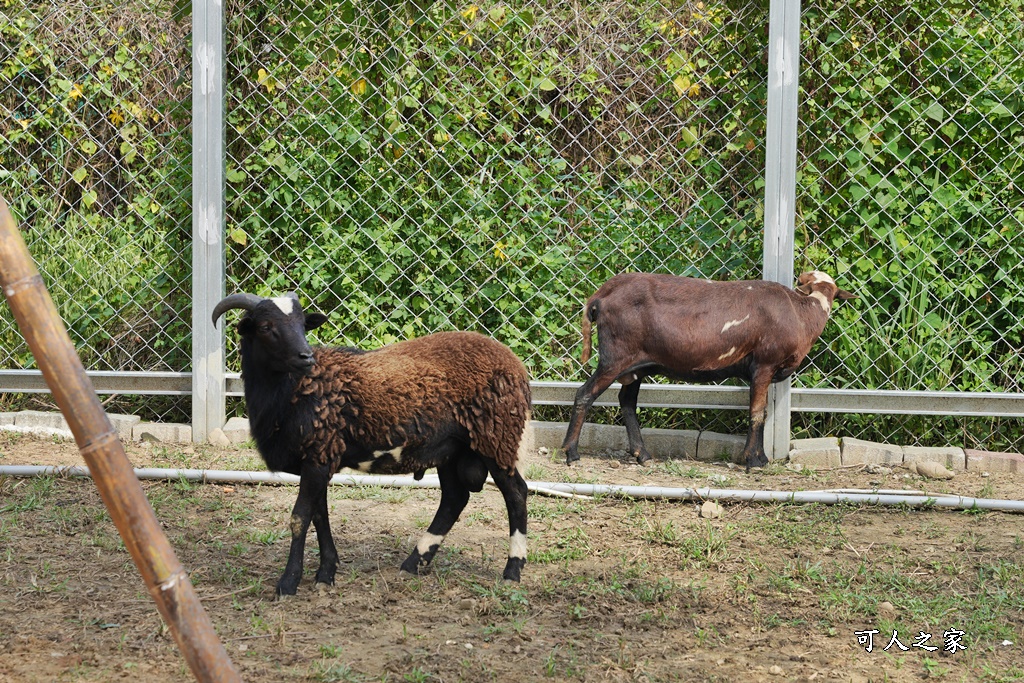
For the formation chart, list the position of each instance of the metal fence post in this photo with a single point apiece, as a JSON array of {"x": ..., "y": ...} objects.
[
  {"x": 208, "y": 405},
  {"x": 780, "y": 185}
]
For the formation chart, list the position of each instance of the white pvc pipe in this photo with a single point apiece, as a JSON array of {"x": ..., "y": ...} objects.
[
  {"x": 939, "y": 500},
  {"x": 913, "y": 499}
]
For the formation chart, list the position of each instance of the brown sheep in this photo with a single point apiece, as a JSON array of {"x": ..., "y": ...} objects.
[{"x": 457, "y": 401}]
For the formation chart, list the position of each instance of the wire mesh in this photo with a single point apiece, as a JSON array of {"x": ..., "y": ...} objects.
[
  {"x": 94, "y": 161},
  {"x": 487, "y": 167},
  {"x": 420, "y": 166},
  {"x": 910, "y": 176}
]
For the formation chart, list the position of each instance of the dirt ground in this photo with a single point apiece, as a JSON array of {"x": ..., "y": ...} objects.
[{"x": 615, "y": 590}]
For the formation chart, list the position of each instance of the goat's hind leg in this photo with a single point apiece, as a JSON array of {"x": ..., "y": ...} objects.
[
  {"x": 513, "y": 488},
  {"x": 454, "y": 496},
  {"x": 627, "y": 403},
  {"x": 585, "y": 397}
]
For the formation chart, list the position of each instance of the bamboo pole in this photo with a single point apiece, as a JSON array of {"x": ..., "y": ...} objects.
[{"x": 163, "y": 574}]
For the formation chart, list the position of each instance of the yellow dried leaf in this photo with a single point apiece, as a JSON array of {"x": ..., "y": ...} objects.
[
  {"x": 681, "y": 84},
  {"x": 266, "y": 80}
]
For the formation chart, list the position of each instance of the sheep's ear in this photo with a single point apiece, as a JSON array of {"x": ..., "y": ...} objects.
[
  {"x": 843, "y": 294},
  {"x": 314, "y": 320},
  {"x": 245, "y": 326}
]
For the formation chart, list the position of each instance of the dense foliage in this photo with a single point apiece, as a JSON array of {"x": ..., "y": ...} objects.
[
  {"x": 476, "y": 167},
  {"x": 910, "y": 183},
  {"x": 94, "y": 158},
  {"x": 419, "y": 166}
]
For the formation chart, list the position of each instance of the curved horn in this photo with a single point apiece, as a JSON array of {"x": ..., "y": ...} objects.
[{"x": 246, "y": 301}]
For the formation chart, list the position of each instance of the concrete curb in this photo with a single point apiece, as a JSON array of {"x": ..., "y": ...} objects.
[{"x": 595, "y": 439}]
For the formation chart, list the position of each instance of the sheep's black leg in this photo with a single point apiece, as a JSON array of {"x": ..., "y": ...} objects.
[
  {"x": 627, "y": 402},
  {"x": 312, "y": 485},
  {"x": 328, "y": 553},
  {"x": 454, "y": 496},
  {"x": 513, "y": 488},
  {"x": 753, "y": 451},
  {"x": 585, "y": 397}
]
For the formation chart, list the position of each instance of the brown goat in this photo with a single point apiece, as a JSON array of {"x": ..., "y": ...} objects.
[{"x": 698, "y": 331}]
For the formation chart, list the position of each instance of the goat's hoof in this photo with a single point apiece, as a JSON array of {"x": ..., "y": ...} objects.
[
  {"x": 513, "y": 569},
  {"x": 759, "y": 461},
  {"x": 643, "y": 457},
  {"x": 325, "y": 578},
  {"x": 411, "y": 566}
]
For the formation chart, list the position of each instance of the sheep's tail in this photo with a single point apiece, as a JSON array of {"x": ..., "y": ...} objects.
[{"x": 589, "y": 315}]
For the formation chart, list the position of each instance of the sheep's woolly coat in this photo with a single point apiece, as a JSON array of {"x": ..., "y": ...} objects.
[{"x": 413, "y": 394}]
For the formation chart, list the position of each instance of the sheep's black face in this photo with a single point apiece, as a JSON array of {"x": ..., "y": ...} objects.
[{"x": 276, "y": 330}]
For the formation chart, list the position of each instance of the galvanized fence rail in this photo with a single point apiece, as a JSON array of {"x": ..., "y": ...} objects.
[{"x": 485, "y": 166}]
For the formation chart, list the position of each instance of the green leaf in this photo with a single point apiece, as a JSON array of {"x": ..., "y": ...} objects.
[
  {"x": 238, "y": 236},
  {"x": 999, "y": 109},
  {"x": 80, "y": 174},
  {"x": 546, "y": 84},
  {"x": 857, "y": 192},
  {"x": 936, "y": 112}
]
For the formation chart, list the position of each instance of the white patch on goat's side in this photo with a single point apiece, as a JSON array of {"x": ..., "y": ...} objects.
[
  {"x": 367, "y": 465},
  {"x": 822, "y": 299},
  {"x": 394, "y": 452},
  {"x": 734, "y": 323},
  {"x": 750, "y": 286},
  {"x": 727, "y": 353},
  {"x": 428, "y": 541},
  {"x": 285, "y": 303},
  {"x": 517, "y": 545}
]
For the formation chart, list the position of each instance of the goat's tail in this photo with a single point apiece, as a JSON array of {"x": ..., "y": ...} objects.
[{"x": 589, "y": 315}]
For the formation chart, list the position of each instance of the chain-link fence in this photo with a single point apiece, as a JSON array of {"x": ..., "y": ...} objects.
[
  {"x": 911, "y": 169},
  {"x": 486, "y": 167},
  {"x": 94, "y": 160},
  {"x": 433, "y": 165}
]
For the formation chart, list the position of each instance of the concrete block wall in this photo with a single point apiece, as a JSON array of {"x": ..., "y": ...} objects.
[{"x": 816, "y": 454}]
